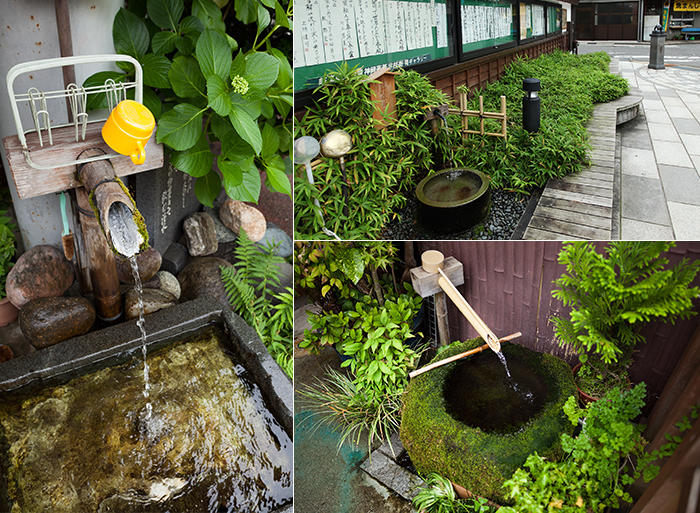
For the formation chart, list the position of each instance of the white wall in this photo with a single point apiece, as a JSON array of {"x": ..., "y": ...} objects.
[{"x": 28, "y": 32}]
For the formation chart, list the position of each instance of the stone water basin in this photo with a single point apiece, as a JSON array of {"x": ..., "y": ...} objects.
[
  {"x": 75, "y": 435},
  {"x": 470, "y": 423},
  {"x": 453, "y": 200}
]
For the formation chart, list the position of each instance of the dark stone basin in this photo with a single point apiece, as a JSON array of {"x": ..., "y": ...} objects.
[{"x": 453, "y": 200}]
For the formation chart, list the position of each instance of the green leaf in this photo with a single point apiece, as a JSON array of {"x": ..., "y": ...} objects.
[
  {"x": 249, "y": 189},
  {"x": 152, "y": 102},
  {"x": 196, "y": 161},
  {"x": 247, "y": 128},
  {"x": 285, "y": 76},
  {"x": 234, "y": 148},
  {"x": 207, "y": 7},
  {"x": 269, "y": 3},
  {"x": 181, "y": 127},
  {"x": 191, "y": 26},
  {"x": 232, "y": 43},
  {"x": 238, "y": 65},
  {"x": 219, "y": 98},
  {"x": 250, "y": 103},
  {"x": 164, "y": 42},
  {"x": 220, "y": 126},
  {"x": 261, "y": 70},
  {"x": 186, "y": 78},
  {"x": 246, "y": 11},
  {"x": 130, "y": 34},
  {"x": 155, "y": 70},
  {"x": 214, "y": 54},
  {"x": 186, "y": 45},
  {"x": 281, "y": 16},
  {"x": 232, "y": 172},
  {"x": 263, "y": 18},
  {"x": 99, "y": 101},
  {"x": 350, "y": 262},
  {"x": 270, "y": 141},
  {"x": 207, "y": 188},
  {"x": 166, "y": 13},
  {"x": 274, "y": 167}
]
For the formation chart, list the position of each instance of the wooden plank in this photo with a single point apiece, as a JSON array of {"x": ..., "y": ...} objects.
[
  {"x": 577, "y": 197},
  {"x": 426, "y": 284},
  {"x": 581, "y": 208},
  {"x": 603, "y": 223},
  {"x": 563, "y": 185},
  {"x": 592, "y": 179},
  {"x": 537, "y": 234},
  {"x": 569, "y": 229},
  {"x": 31, "y": 182}
]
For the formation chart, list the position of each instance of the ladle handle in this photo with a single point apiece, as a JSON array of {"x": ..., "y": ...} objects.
[
  {"x": 466, "y": 309},
  {"x": 458, "y": 356}
]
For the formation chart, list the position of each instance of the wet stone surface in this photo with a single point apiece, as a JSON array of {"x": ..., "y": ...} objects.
[
  {"x": 148, "y": 261},
  {"x": 42, "y": 271},
  {"x": 506, "y": 210},
  {"x": 47, "y": 321},
  {"x": 153, "y": 300}
]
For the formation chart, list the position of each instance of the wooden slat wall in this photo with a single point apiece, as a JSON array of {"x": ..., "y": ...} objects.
[
  {"x": 509, "y": 284},
  {"x": 478, "y": 73}
]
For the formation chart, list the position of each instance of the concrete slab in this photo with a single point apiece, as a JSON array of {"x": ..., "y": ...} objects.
[
  {"x": 638, "y": 162},
  {"x": 659, "y": 116},
  {"x": 659, "y": 132},
  {"x": 653, "y": 105},
  {"x": 692, "y": 143},
  {"x": 679, "y": 112},
  {"x": 642, "y": 199},
  {"x": 671, "y": 153},
  {"x": 696, "y": 162},
  {"x": 687, "y": 126},
  {"x": 681, "y": 184},
  {"x": 685, "y": 221},
  {"x": 670, "y": 93},
  {"x": 640, "y": 230}
]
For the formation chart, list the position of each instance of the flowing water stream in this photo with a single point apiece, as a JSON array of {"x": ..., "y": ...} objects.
[
  {"x": 141, "y": 324},
  {"x": 503, "y": 361}
]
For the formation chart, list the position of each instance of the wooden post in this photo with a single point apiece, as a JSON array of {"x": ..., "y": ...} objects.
[{"x": 442, "y": 321}]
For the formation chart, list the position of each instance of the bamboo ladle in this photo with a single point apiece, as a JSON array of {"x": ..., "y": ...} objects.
[{"x": 433, "y": 262}]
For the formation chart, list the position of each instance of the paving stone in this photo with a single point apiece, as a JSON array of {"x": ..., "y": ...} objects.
[
  {"x": 671, "y": 153},
  {"x": 692, "y": 143},
  {"x": 684, "y": 219},
  {"x": 681, "y": 184},
  {"x": 687, "y": 126},
  {"x": 638, "y": 162},
  {"x": 393, "y": 476},
  {"x": 633, "y": 229},
  {"x": 642, "y": 199}
]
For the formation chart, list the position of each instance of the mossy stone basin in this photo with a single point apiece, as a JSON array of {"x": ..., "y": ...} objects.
[
  {"x": 481, "y": 454},
  {"x": 453, "y": 200}
]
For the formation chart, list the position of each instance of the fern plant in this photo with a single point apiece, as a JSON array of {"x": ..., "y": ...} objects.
[{"x": 248, "y": 285}]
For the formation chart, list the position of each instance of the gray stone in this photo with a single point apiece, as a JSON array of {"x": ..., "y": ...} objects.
[
  {"x": 681, "y": 184},
  {"x": 175, "y": 259},
  {"x": 47, "y": 321},
  {"x": 165, "y": 197},
  {"x": 42, "y": 271},
  {"x": 202, "y": 278},
  {"x": 200, "y": 234},
  {"x": 148, "y": 263},
  {"x": 393, "y": 476},
  {"x": 641, "y": 198},
  {"x": 275, "y": 235},
  {"x": 223, "y": 233},
  {"x": 153, "y": 300},
  {"x": 238, "y": 216},
  {"x": 163, "y": 280},
  {"x": 6, "y": 353}
]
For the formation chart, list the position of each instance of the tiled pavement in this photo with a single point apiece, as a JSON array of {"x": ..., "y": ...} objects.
[{"x": 651, "y": 189}]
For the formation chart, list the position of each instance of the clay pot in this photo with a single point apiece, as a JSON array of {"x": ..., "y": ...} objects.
[{"x": 8, "y": 312}]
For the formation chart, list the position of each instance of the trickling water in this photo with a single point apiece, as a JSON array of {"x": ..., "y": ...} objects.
[
  {"x": 123, "y": 231},
  {"x": 503, "y": 361},
  {"x": 140, "y": 323}
]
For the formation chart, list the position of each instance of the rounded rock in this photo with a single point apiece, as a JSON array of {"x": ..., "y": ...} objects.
[
  {"x": 148, "y": 263},
  {"x": 153, "y": 300},
  {"x": 238, "y": 216},
  {"x": 202, "y": 278},
  {"x": 200, "y": 234},
  {"x": 47, "y": 321},
  {"x": 41, "y": 272},
  {"x": 163, "y": 280},
  {"x": 6, "y": 353}
]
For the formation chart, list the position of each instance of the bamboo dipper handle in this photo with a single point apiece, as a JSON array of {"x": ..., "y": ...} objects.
[
  {"x": 458, "y": 356},
  {"x": 468, "y": 312}
]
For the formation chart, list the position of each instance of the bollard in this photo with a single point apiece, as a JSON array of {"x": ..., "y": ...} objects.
[
  {"x": 531, "y": 105},
  {"x": 656, "y": 51}
]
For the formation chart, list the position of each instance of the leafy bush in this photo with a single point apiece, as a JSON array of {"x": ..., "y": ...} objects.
[
  {"x": 597, "y": 465},
  {"x": 440, "y": 497},
  {"x": 248, "y": 285},
  {"x": 200, "y": 94},
  {"x": 382, "y": 162},
  {"x": 7, "y": 249},
  {"x": 571, "y": 85}
]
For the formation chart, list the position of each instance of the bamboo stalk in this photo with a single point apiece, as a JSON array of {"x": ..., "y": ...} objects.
[{"x": 459, "y": 356}]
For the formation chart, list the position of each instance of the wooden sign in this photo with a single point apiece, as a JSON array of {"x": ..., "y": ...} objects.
[{"x": 382, "y": 84}]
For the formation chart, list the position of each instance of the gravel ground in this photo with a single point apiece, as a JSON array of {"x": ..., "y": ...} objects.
[{"x": 506, "y": 210}]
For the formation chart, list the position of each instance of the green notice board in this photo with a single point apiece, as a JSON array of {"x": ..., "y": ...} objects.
[
  {"x": 553, "y": 19},
  {"x": 486, "y": 24},
  {"x": 371, "y": 33}
]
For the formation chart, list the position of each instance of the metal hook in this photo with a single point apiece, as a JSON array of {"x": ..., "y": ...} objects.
[
  {"x": 78, "y": 104},
  {"x": 32, "y": 92}
]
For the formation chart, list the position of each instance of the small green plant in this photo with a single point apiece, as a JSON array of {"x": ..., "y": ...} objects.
[
  {"x": 613, "y": 295},
  {"x": 598, "y": 464},
  {"x": 7, "y": 249},
  {"x": 204, "y": 86},
  {"x": 440, "y": 497},
  {"x": 248, "y": 285}
]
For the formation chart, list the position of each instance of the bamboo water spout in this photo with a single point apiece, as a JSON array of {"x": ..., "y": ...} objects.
[{"x": 106, "y": 218}]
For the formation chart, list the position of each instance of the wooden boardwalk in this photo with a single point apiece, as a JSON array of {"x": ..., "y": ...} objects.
[{"x": 582, "y": 205}]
